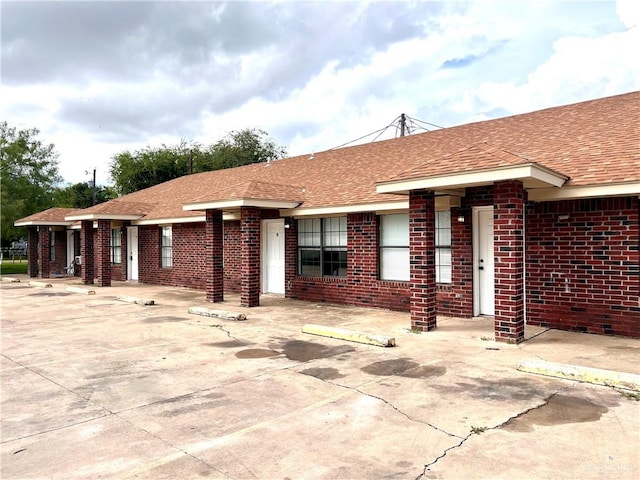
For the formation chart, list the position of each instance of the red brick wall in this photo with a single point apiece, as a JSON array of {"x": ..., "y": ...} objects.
[
  {"x": 361, "y": 286},
  {"x": 102, "y": 263},
  {"x": 188, "y": 258},
  {"x": 32, "y": 254},
  {"x": 232, "y": 256},
  {"x": 250, "y": 256},
  {"x": 214, "y": 256},
  {"x": 583, "y": 271}
]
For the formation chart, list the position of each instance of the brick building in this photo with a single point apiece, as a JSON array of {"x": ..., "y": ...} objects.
[{"x": 531, "y": 218}]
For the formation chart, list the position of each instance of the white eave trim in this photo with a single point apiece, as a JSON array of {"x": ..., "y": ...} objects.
[
  {"x": 532, "y": 175},
  {"x": 593, "y": 191},
  {"x": 443, "y": 202},
  {"x": 167, "y": 221},
  {"x": 243, "y": 202},
  {"x": 42, "y": 223},
  {"x": 102, "y": 216}
]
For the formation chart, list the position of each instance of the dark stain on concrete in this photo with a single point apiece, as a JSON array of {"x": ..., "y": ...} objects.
[
  {"x": 403, "y": 367},
  {"x": 559, "y": 410},
  {"x": 228, "y": 344},
  {"x": 323, "y": 373},
  {"x": 50, "y": 294},
  {"x": 302, "y": 351},
  {"x": 499, "y": 390},
  {"x": 194, "y": 407},
  {"x": 162, "y": 319},
  {"x": 257, "y": 353}
]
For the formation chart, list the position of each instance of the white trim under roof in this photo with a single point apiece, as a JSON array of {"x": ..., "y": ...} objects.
[
  {"x": 592, "y": 191},
  {"x": 42, "y": 223},
  {"x": 103, "y": 216},
  {"x": 531, "y": 174},
  {"x": 443, "y": 202},
  {"x": 243, "y": 202},
  {"x": 169, "y": 221}
]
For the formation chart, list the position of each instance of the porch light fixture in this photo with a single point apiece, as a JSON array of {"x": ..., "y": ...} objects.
[{"x": 461, "y": 217}]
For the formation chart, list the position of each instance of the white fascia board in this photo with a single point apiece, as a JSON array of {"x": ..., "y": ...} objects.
[
  {"x": 529, "y": 172},
  {"x": 169, "y": 221},
  {"x": 328, "y": 211},
  {"x": 243, "y": 202},
  {"x": 41, "y": 223},
  {"x": 593, "y": 191},
  {"x": 102, "y": 216}
]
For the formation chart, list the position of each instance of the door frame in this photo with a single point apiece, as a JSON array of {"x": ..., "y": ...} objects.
[
  {"x": 130, "y": 257},
  {"x": 71, "y": 247},
  {"x": 476, "y": 253},
  {"x": 265, "y": 257}
]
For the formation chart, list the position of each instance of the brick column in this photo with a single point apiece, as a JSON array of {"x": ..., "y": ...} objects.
[
  {"x": 86, "y": 250},
  {"x": 422, "y": 259},
  {"x": 32, "y": 251},
  {"x": 508, "y": 232},
  {"x": 44, "y": 239},
  {"x": 103, "y": 254},
  {"x": 290, "y": 256},
  {"x": 214, "y": 261},
  {"x": 250, "y": 256}
]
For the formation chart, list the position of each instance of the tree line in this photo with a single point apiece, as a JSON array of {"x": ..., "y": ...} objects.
[{"x": 30, "y": 180}]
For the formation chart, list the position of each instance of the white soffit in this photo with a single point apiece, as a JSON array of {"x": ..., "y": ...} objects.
[
  {"x": 169, "y": 221},
  {"x": 41, "y": 223},
  {"x": 532, "y": 176},
  {"x": 594, "y": 191},
  {"x": 103, "y": 216},
  {"x": 243, "y": 202}
]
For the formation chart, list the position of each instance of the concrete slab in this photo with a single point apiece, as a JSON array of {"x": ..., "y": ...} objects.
[
  {"x": 92, "y": 387},
  {"x": 80, "y": 290},
  {"x": 136, "y": 300}
]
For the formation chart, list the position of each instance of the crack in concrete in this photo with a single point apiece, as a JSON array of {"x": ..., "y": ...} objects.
[
  {"x": 222, "y": 329},
  {"x": 495, "y": 427}
]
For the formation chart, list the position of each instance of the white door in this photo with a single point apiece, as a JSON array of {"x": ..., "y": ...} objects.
[
  {"x": 273, "y": 250},
  {"x": 132, "y": 254},
  {"x": 483, "y": 263},
  {"x": 71, "y": 251}
]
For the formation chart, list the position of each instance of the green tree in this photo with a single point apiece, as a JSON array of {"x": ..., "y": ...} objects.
[
  {"x": 144, "y": 168},
  {"x": 28, "y": 176},
  {"x": 80, "y": 195}
]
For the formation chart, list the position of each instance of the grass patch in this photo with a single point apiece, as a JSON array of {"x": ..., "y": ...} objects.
[
  {"x": 478, "y": 430},
  {"x": 417, "y": 331},
  {"x": 630, "y": 395},
  {"x": 8, "y": 267}
]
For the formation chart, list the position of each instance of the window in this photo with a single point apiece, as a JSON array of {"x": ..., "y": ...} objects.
[
  {"x": 322, "y": 247},
  {"x": 116, "y": 245},
  {"x": 443, "y": 246},
  {"x": 166, "y": 250},
  {"x": 52, "y": 246},
  {"x": 394, "y": 247}
]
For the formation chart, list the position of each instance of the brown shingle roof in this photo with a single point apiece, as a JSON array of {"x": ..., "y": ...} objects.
[
  {"x": 53, "y": 215},
  {"x": 593, "y": 143}
]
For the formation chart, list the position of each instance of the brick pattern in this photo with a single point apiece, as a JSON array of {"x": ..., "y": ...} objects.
[
  {"x": 86, "y": 250},
  {"x": 456, "y": 299},
  {"x": 583, "y": 262},
  {"x": 508, "y": 241},
  {"x": 214, "y": 262},
  {"x": 232, "y": 256},
  {"x": 422, "y": 259},
  {"x": 189, "y": 268},
  {"x": 361, "y": 287},
  {"x": 32, "y": 253},
  {"x": 44, "y": 252},
  {"x": 103, "y": 253},
  {"x": 250, "y": 256}
]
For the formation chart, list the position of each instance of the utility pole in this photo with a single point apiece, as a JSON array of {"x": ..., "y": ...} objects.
[
  {"x": 94, "y": 185},
  {"x": 403, "y": 124}
]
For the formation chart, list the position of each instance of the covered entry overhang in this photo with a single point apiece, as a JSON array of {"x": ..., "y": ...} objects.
[
  {"x": 511, "y": 177},
  {"x": 245, "y": 202}
]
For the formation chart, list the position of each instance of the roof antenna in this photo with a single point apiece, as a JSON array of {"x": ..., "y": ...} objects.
[
  {"x": 403, "y": 124},
  {"x": 312, "y": 157}
]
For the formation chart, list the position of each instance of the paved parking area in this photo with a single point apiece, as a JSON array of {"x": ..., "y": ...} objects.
[{"x": 96, "y": 388}]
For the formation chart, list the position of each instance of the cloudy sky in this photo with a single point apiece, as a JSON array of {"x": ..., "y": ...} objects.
[{"x": 97, "y": 78}]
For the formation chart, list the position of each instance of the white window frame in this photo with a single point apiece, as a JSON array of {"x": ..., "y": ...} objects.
[
  {"x": 116, "y": 246},
  {"x": 166, "y": 246}
]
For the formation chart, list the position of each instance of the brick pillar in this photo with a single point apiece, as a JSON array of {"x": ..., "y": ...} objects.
[
  {"x": 422, "y": 259},
  {"x": 32, "y": 252},
  {"x": 86, "y": 250},
  {"x": 250, "y": 256},
  {"x": 508, "y": 234},
  {"x": 44, "y": 239},
  {"x": 290, "y": 256},
  {"x": 102, "y": 265},
  {"x": 214, "y": 262}
]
